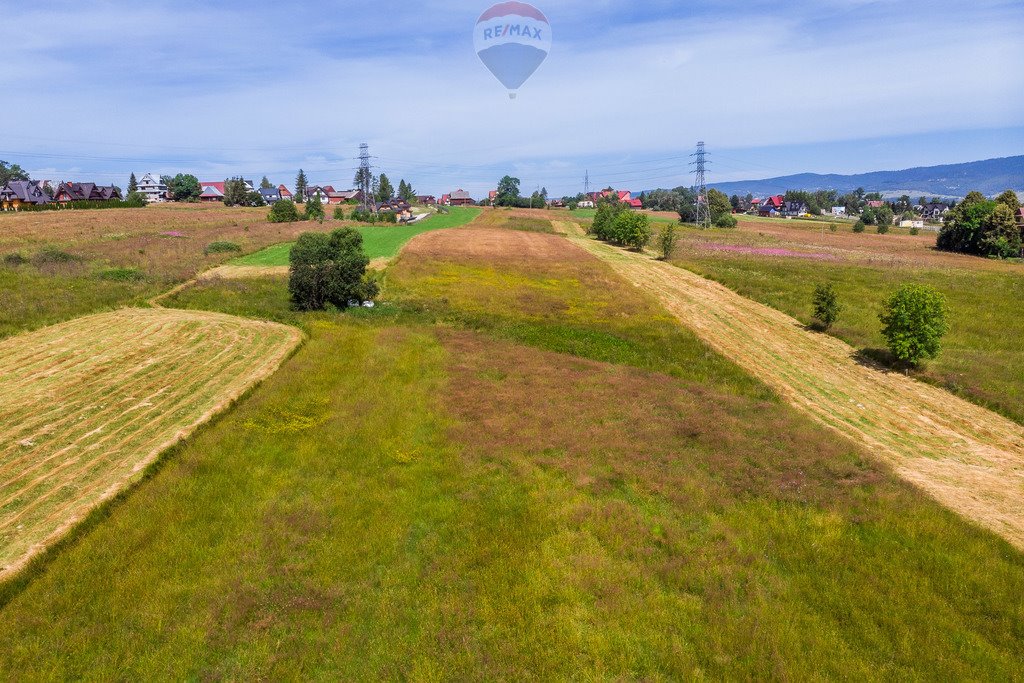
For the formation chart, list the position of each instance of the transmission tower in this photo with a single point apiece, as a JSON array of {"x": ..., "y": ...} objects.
[
  {"x": 586, "y": 185},
  {"x": 700, "y": 163},
  {"x": 365, "y": 174}
]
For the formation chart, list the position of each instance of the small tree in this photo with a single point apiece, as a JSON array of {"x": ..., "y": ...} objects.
[
  {"x": 133, "y": 184},
  {"x": 858, "y": 226},
  {"x": 339, "y": 213},
  {"x": 315, "y": 209},
  {"x": 914, "y": 322},
  {"x": 883, "y": 229},
  {"x": 667, "y": 241},
  {"x": 283, "y": 211},
  {"x": 236, "y": 193},
  {"x": 300, "y": 186},
  {"x": 265, "y": 184},
  {"x": 826, "y": 306},
  {"x": 385, "y": 190},
  {"x": 329, "y": 269}
]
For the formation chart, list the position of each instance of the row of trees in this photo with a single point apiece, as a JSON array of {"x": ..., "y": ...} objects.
[
  {"x": 984, "y": 227},
  {"x": 509, "y": 195}
]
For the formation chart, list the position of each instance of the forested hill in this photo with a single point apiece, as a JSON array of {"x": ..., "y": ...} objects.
[{"x": 991, "y": 177}]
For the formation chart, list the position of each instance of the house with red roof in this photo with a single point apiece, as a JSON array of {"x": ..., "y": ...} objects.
[
  {"x": 285, "y": 192},
  {"x": 212, "y": 192},
  {"x": 772, "y": 206}
]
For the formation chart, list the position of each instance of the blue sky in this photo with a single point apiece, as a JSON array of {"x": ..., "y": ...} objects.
[{"x": 264, "y": 88}]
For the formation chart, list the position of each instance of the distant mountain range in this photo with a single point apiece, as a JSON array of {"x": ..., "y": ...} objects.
[{"x": 989, "y": 177}]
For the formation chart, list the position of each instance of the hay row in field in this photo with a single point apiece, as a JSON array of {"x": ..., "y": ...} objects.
[
  {"x": 968, "y": 458},
  {"x": 90, "y": 403}
]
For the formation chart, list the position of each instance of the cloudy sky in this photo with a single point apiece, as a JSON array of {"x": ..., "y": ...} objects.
[{"x": 103, "y": 88}]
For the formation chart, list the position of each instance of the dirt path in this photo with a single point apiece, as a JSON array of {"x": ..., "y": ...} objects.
[{"x": 966, "y": 457}]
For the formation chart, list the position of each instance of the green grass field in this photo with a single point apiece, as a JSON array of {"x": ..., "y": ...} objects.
[
  {"x": 428, "y": 491},
  {"x": 379, "y": 241},
  {"x": 982, "y": 355}
]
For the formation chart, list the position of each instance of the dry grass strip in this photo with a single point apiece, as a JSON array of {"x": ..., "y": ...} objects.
[
  {"x": 87, "y": 405},
  {"x": 968, "y": 458}
]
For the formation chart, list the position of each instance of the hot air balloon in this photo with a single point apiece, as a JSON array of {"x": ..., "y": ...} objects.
[{"x": 512, "y": 39}]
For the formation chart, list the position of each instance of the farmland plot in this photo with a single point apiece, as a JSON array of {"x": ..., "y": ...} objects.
[{"x": 88, "y": 404}]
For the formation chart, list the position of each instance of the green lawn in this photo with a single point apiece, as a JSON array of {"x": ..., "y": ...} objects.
[
  {"x": 379, "y": 241},
  {"x": 410, "y": 500}
]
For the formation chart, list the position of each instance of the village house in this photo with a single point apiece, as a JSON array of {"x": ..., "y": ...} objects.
[
  {"x": 795, "y": 209},
  {"x": 934, "y": 211},
  {"x": 271, "y": 195},
  {"x": 876, "y": 204},
  {"x": 426, "y": 199},
  {"x": 585, "y": 204},
  {"x": 912, "y": 223},
  {"x": 85, "y": 192},
  {"x": 1020, "y": 217},
  {"x": 343, "y": 197},
  {"x": 401, "y": 208},
  {"x": 212, "y": 192},
  {"x": 318, "y": 191},
  {"x": 772, "y": 206},
  {"x": 839, "y": 212},
  {"x": 152, "y": 188},
  {"x": 461, "y": 198},
  {"x": 285, "y": 192},
  {"x": 19, "y": 193}
]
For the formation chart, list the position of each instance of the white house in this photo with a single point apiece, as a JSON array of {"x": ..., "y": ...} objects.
[
  {"x": 586, "y": 204},
  {"x": 839, "y": 212},
  {"x": 153, "y": 190},
  {"x": 912, "y": 223}
]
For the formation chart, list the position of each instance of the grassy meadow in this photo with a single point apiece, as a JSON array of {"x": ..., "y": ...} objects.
[
  {"x": 56, "y": 265},
  {"x": 411, "y": 498},
  {"x": 780, "y": 263},
  {"x": 379, "y": 241}
]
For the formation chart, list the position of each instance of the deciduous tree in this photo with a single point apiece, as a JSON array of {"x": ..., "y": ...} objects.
[
  {"x": 914, "y": 320},
  {"x": 329, "y": 269}
]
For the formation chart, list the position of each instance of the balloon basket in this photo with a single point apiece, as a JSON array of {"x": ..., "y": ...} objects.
[{"x": 511, "y": 95}]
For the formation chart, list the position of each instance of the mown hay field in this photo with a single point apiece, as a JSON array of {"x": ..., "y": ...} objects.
[{"x": 88, "y": 404}]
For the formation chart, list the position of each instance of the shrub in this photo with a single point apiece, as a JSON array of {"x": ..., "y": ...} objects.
[
  {"x": 726, "y": 220},
  {"x": 222, "y": 248},
  {"x": 329, "y": 269},
  {"x": 604, "y": 220},
  {"x": 315, "y": 210},
  {"x": 54, "y": 255},
  {"x": 387, "y": 217},
  {"x": 833, "y": 227},
  {"x": 883, "y": 229},
  {"x": 915, "y": 231},
  {"x": 826, "y": 306},
  {"x": 122, "y": 274},
  {"x": 859, "y": 226},
  {"x": 632, "y": 230},
  {"x": 914, "y": 322},
  {"x": 339, "y": 213},
  {"x": 667, "y": 241},
  {"x": 283, "y": 211},
  {"x": 14, "y": 260},
  {"x": 361, "y": 216}
]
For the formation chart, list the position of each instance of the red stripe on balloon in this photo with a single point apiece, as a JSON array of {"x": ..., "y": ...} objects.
[{"x": 518, "y": 8}]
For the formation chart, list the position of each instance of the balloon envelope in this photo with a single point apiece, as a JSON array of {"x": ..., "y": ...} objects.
[{"x": 512, "y": 39}]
